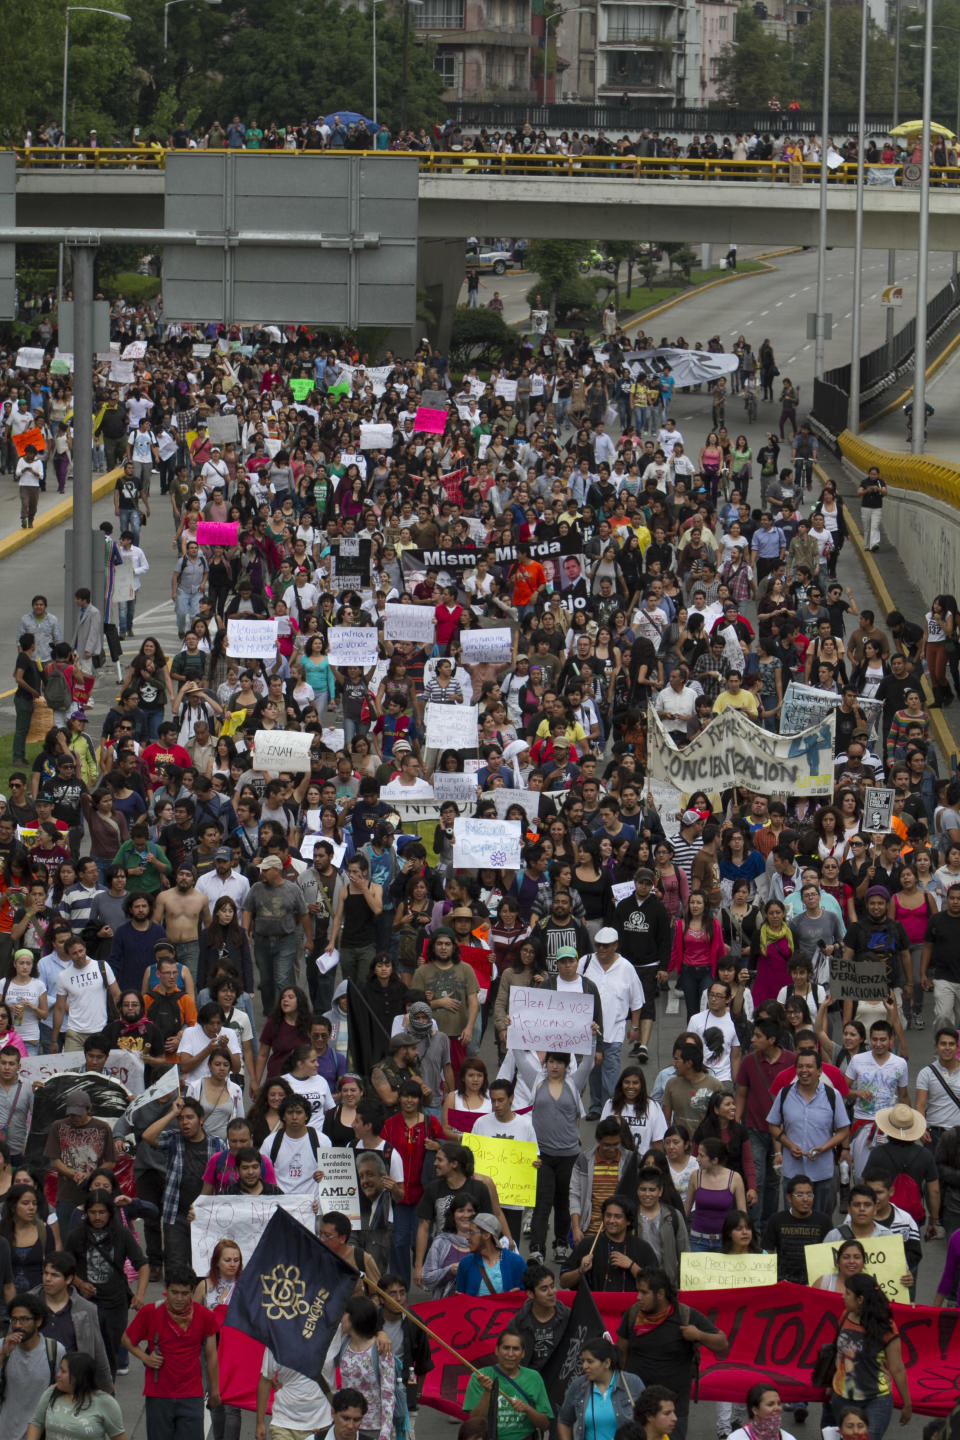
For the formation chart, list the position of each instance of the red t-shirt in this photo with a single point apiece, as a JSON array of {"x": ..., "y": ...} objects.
[
  {"x": 180, "y": 1376},
  {"x": 836, "y": 1077},
  {"x": 156, "y": 755}
]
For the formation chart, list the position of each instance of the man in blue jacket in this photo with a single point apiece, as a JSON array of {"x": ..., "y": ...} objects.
[{"x": 488, "y": 1270}]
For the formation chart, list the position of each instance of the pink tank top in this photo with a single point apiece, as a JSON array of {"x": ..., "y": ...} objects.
[{"x": 913, "y": 921}]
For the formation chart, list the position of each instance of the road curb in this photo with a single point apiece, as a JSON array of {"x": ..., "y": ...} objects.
[
  {"x": 53, "y": 517},
  {"x": 935, "y": 364},
  {"x": 878, "y": 585},
  {"x": 767, "y": 269}
]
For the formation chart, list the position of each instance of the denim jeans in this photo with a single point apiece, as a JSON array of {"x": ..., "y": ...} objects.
[
  {"x": 823, "y": 1195},
  {"x": 603, "y": 1077},
  {"x": 188, "y": 953},
  {"x": 768, "y": 1179},
  {"x": 694, "y": 980},
  {"x": 174, "y": 1419},
  {"x": 276, "y": 957},
  {"x": 403, "y": 1239},
  {"x": 130, "y": 520},
  {"x": 187, "y": 606},
  {"x": 878, "y": 1411},
  {"x": 125, "y": 616}
]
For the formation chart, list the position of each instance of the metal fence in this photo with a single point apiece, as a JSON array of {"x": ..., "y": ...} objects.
[
  {"x": 667, "y": 118},
  {"x": 880, "y": 368}
]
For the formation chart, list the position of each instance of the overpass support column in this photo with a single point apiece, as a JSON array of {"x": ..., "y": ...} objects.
[{"x": 440, "y": 275}]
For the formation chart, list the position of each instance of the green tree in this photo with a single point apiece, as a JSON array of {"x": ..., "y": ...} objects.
[
  {"x": 756, "y": 67},
  {"x": 555, "y": 262},
  {"x": 807, "y": 80},
  {"x": 621, "y": 252},
  {"x": 479, "y": 337}
]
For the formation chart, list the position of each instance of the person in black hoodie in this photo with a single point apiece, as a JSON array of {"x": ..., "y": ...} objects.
[
  {"x": 643, "y": 925},
  {"x": 386, "y": 997}
]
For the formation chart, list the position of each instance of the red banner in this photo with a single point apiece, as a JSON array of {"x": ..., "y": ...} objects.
[{"x": 774, "y": 1332}]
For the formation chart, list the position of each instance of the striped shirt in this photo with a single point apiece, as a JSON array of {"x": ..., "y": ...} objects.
[
  {"x": 438, "y": 694},
  {"x": 685, "y": 852}
]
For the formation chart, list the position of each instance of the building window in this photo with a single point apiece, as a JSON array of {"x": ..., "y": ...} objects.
[
  {"x": 627, "y": 24},
  {"x": 448, "y": 67},
  {"x": 440, "y": 15}
]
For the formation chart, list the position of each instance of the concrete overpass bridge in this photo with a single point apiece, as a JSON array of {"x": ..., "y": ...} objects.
[{"x": 542, "y": 196}]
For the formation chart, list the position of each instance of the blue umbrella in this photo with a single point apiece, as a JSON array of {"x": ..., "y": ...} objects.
[{"x": 351, "y": 117}]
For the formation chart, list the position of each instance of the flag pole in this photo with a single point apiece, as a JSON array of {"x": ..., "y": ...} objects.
[{"x": 371, "y": 1285}]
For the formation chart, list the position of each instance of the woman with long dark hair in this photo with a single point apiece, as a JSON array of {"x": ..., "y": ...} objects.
[
  {"x": 869, "y": 1357},
  {"x": 632, "y": 1107},
  {"x": 719, "y": 1124},
  {"x": 697, "y": 945},
  {"x": 103, "y": 1246},
  {"x": 73, "y": 1398},
  {"x": 225, "y": 943},
  {"x": 29, "y": 1238},
  {"x": 287, "y": 1026}
]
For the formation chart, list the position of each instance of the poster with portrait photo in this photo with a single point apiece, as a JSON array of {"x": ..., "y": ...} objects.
[{"x": 572, "y": 579}]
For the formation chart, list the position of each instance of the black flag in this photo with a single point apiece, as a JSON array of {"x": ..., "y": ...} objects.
[
  {"x": 369, "y": 1038},
  {"x": 585, "y": 1323},
  {"x": 291, "y": 1294}
]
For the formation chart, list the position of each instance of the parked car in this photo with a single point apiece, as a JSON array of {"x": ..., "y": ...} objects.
[{"x": 497, "y": 261}]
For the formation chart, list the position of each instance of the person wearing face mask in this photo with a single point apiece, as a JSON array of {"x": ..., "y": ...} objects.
[{"x": 764, "y": 1415}]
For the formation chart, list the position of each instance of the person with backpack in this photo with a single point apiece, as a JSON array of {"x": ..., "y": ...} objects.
[
  {"x": 127, "y": 496},
  {"x": 907, "y": 1165},
  {"x": 170, "y": 1006},
  {"x": 294, "y": 1147},
  {"x": 659, "y": 1340},
  {"x": 103, "y": 1248},
  {"x": 188, "y": 584},
  {"x": 28, "y": 1365},
  {"x": 81, "y": 1001}
]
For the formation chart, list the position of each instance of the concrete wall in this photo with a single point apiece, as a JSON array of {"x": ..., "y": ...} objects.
[{"x": 926, "y": 535}]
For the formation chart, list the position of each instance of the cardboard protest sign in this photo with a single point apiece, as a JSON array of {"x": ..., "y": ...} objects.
[
  {"x": 451, "y": 727},
  {"x": 241, "y": 1218},
  {"x": 486, "y": 844},
  {"x": 338, "y": 1190},
  {"x": 550, "y": 1020},
  {"x": 283, "y": 749},
  {"x": 302, "y": 386},
  {"x": 138, "y": 348},
  {"x": 251, "y": 639},
  {"x": 856, "y": 979},
  {"x": 707, "y": 1270},
  {"x": 376, "y": 437},
  {"x": 452, "y": 785},
  {"x": 33, "y": 436},
  {"x": 223, "y": 430},
  {"x": 886, "y": 1261},
  {"x": 29, "y": 357},
  {"x": 353, "y": 645},
  {"x": 877, "y": 809},
  {"x": 492, "y": 647},
  {"x": 416, "y": 623},
  {"x": 510, "y": 1164},
  {"x": 430, "y": 422}
]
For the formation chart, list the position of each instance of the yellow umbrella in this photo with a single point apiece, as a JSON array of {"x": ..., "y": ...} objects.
[{"x": 915, "y": 127}]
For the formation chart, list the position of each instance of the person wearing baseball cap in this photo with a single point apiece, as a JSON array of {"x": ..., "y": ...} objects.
[
  {"x": 689, "y": 841},
  {"x": 622, "y": 997},
  {"x": 646, "y": 934},
  {"x": 75, "y": 1146},
  {"x": 223, "y": 880}
]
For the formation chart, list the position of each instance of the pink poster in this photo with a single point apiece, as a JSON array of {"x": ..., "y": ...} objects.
[
  {"x": 433, "y": 422},
  {"x": 217, "y": 532}
]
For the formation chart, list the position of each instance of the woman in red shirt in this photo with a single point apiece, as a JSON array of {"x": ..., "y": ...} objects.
[
  {"x": 411, "y": 1134},
  {"x": 697, "y": 946},
  {"x": 447, "y": 616}
]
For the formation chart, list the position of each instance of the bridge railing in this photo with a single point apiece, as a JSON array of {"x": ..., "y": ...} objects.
[{"x": 475, "y": 162}]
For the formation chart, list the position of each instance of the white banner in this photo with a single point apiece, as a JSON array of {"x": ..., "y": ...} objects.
[
  {"x": 251, "y": 639},
  {"x": 492, "y": 647},
  {"x": 504, "y": 798},
  {"x": 138, "y": 348},
  {"x": 241, "y": 1218},
  {"x": 689, "y": 367},
  {"x": 451, "y": 785},
  {"x": 543, "y": 1019},
  {"x": 338, "y": 1189},
  {"x": 223, "y": 430},
  {"x": 332, "y": 736},
  {"x": 123, "y": 1065},
  {"x": 486, "y": 844},
  {"x": 200, "y": 350},
  {"x": 122, "y": 372},
  {"x": 804, "y": 705},
  {"x": 282, "y": 749},
  {"x": 353, "y": 645},
  {"x": 29, "y": 357},
  {"x": 167, "y": 1085},
  {"x": 409, "y": 622},
  {"x": 732, "y": 750},
  {"x": 506, "y": 388},
  {"x": 376, "y": 437},
  {"x": 451, "y": 727}
]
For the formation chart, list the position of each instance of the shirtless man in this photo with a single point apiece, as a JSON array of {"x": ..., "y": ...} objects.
[{"x": 181, "y": 911}]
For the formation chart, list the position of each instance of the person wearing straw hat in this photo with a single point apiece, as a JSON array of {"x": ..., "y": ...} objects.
[{"x": 908, "y": 1166}]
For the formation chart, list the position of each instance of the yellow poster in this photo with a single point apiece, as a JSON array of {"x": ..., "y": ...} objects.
[
  {"x": 886, "y": 1261},
  {"x": 709, "y": 1270},
  {"x": 509, "y": 1163}
]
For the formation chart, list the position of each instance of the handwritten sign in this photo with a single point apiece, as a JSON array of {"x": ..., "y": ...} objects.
[
  {"x": 452, "y": 785},
  {"x": 353, "y": 645},
  {"x": 242, "y": 1219},
  {"x": 283, "y": 749},
  {"x": 409, "y": 622},
  {"x": 223, "y": 430},
  {"x": 376, "y": 437},
  {"x": 858, "y": 979},
  {"x": 886, "y": 1261},
  {"x": 431, "y": 422},
  {"x": 338, "y": 1190},
  {"x": 504, "y": 798},
  {"x": 550, "y": 1019},
  {"x": 510, "y": 1165},
  {"x": 507, "y": 389},
  {"x": 492, "y": 647},
  {"x": 451, "y": 727},
  {"x": 705, "y": 1270},
  {"x": 487, "y": 844},
  {"x": 624, "y": 890},
  {"x": 251, "y": 639},
  {"x": 302, "y": 386},
  {"x": 29, "y": 357},
  {"x": 122, "y": 372},
  {"x": 138, "y": 348},
  {"x": 123, "y": 1065},
  {"x": 33, "y": 436},
  {"x": 332, "y": 736},
  {"x": 217, "y": 532}
]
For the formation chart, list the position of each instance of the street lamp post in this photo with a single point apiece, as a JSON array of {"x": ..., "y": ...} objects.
[
  {"x": 820, "y": 319},
  {"x": 920, "y": 349},
  {"x": 892, "y": 254},
  {"x": 549, "y": 20},
  {"x": 853, "y": 418},
  {"x": 71, "y": 9},
  {"x": 165, "y": 18}
]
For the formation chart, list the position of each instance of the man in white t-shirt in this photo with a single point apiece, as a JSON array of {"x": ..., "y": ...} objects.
[
  {"x": 300, "y": 1406},
  {"x": 315, "y": 1090},
  {"x": 877, "y": 1081},
  {"x": 504, "y": 1124},
  {"x": 30, "y": 472},
  {"x": 293, "y": 1150},
  {"x": 215, "y": 473},
  {"x": 621, "y": 996},
  {"x": 722, "y": 1063},
  {"x": 143, "y": 450},
  {"x": 208, "y": 1037},
  {"x": 82, "y": 994}
]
